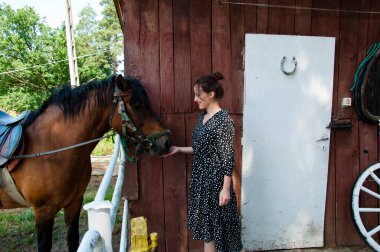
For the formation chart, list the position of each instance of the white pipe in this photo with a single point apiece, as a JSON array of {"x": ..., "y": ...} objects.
[
  {"x": 106, "y": 181},
  {"x": 90, "y": 240},
  {"x": 124, "y": 238},
  {"x": 118, "y": 187},
  {"x": 102, "y": 214},
  {"x": 99, "y": 219}
]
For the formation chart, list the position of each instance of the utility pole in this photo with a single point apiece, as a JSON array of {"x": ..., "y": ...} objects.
[{"x": 70, "y": 41}]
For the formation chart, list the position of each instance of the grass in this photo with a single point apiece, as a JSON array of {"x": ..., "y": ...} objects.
[
  {"x": 104, "y": 147},
  {"x": 17, "y": 231}
]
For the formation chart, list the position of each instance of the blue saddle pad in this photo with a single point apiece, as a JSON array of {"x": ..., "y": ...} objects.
[{"x": 9, "y": 143}]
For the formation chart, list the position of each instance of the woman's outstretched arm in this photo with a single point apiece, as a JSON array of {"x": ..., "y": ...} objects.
[{"x": 175, "y": 149}]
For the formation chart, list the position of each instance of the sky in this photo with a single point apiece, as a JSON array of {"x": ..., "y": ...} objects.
[{"x": 54, "y": 10}]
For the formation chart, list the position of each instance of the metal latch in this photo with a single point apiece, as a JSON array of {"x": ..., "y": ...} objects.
[{"x": 340, "y": 124}]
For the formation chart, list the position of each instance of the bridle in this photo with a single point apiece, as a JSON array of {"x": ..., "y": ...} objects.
[{"x": 129, "y": 132}]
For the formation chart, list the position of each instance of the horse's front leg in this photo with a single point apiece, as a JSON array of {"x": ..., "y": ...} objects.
[
  {"x": 44, "y": 221},
  {"x": 72, "y": 213}
]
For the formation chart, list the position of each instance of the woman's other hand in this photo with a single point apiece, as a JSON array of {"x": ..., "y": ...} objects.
[{"x": 224, "y": 197}]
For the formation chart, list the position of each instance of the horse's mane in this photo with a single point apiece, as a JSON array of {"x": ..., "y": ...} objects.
[{"x": 73, "y": 101}]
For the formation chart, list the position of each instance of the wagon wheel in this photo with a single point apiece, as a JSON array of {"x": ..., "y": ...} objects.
[{"x": 365, "y": 205}]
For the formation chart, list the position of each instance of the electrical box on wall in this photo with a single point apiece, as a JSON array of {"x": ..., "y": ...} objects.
[{"x": 346, "y": 102}]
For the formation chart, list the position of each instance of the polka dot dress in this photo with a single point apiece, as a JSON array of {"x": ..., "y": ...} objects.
[{"x": 213, "y": 145}]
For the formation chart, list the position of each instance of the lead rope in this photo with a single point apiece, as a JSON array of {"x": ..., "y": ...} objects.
[{"x": 57, "y": 150}]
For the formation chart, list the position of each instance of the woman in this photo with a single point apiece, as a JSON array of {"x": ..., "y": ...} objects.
[{"x": 212, "y": 212}]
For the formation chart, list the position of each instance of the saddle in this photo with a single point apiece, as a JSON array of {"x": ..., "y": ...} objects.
[{"x": 11, "y": 131}]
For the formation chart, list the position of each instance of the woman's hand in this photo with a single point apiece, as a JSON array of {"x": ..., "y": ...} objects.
[
  {"x": 224, "y": 197},
  {"x": 173, "y": 150}
]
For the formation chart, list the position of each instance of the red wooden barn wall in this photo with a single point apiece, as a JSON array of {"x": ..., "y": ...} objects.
[{"x": 169, "y": 43}]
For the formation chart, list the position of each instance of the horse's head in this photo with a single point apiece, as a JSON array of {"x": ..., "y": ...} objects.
[{"x": 132, "y": 117}]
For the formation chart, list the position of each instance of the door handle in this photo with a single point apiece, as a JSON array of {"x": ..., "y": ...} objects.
[{"x": 323, "y": 138}]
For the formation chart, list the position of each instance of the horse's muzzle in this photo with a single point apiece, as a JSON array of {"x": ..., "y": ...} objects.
[{"x": 161, "y": 145}]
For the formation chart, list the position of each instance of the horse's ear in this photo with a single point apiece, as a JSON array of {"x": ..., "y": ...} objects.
[{"x": 122, "y": 84}]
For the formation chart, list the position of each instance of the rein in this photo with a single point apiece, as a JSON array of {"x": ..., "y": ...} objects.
[{"x": 58, "y": 150}]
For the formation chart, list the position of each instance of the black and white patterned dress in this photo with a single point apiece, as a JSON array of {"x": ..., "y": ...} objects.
[{"x": 213, "y": 145}]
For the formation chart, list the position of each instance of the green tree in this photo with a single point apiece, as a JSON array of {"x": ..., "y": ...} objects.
[
  {"x": 110, "y": 36},
  {"x": 33, "y": 56},
  {"x": 90, "y": 58},
  {"x": 29, "y": 45}
]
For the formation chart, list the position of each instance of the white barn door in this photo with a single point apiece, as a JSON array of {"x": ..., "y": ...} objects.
[{"x": 285, "y": 140}]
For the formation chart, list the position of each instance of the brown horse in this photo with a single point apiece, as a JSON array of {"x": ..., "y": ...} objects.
[{"x": 68, "y": 117}]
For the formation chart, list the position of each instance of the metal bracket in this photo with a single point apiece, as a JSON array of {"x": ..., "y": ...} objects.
[{"x": 340, "y": 124}]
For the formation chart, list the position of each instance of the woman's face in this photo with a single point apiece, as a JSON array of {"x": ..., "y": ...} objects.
[{"x": 202, "y": 98}]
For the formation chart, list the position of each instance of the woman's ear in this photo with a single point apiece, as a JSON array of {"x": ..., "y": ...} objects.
[
  {"x": 212, "y": 94},
  {"x": 122, "y": 84}
]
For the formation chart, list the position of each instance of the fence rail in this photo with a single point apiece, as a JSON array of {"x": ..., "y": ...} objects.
[{"x": 102, "y": 213}]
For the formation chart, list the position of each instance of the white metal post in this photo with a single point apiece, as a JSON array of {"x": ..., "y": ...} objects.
[
  {"x": 70, "y": 41},
  {"x": 99, "y": 219}
]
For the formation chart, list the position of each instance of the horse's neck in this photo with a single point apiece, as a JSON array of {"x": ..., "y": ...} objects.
[{"x": 93, "y": 123}]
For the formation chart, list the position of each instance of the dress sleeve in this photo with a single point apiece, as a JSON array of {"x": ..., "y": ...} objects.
[{"x": 225, "y": 146}]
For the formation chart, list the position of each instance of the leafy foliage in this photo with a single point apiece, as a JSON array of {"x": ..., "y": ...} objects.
[{"x": 33, "y": 56}]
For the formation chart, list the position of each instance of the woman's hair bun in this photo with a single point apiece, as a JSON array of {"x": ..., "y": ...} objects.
[{"x": 217, "y": 76}]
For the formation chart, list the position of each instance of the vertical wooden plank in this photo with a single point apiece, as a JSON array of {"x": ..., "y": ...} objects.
[
  {"x": 262, "y": 17},
  {"x": 368, "y": 155},
  {"x": 200, "y": 35},
  {"x": 221, "y": 49},
  {"x": 175, "y": 189},
  {"x": 237, "y": 48},
  {"x": 150, "y": 60},
  {"x": 190, "y": 122},
  {"x": 347, "y": 163},
  {"x": 250, "y": 17},
  {"x": 182, "y": 71},
  {"x": 132, "y": 60},
  {"x": 166, "y": 56},
  {"x": 348, "y": 46},
  {"x": 151, "y": 197},
  {"x": 302, "y": 22},
  {"x": 327, "y": 24},
  {"x": 130, "y": 188},
  {"x": 363, "y": 31},
  {"x": 131, "y": 13},
  {"x": 281, "y": 21},
  {"x": 374, "y": 23}
]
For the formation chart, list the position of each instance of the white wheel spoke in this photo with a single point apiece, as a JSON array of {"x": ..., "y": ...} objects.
[
  {"x": 376, "y": 178},
  {"x": 374, "y": 231},
  {"x": 369, "y": 210},
  {"x": 376, "y": 195}
]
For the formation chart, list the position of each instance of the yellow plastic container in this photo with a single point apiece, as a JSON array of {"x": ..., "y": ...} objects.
[{"x": 139, "y": 236}]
